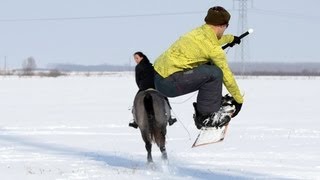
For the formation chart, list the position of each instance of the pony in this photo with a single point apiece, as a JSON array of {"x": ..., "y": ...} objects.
[{"x": 151, "y": 112}]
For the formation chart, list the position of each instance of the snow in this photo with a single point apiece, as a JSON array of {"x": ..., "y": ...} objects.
[{"x": 77, "y": 128}]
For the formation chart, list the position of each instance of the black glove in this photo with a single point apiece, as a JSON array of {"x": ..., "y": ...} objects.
[
  {"x": 238, "y": 108},
  {"x": 236, "y": 40}
]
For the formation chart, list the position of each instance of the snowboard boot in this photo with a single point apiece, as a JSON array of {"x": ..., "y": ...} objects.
[
  {"x": 133, "y": 124},
  {"x": 215, "y": 119},
  {"x": 221, "y": 117}
]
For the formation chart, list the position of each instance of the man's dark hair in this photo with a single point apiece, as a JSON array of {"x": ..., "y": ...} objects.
[{"x": 217, "y": 16}]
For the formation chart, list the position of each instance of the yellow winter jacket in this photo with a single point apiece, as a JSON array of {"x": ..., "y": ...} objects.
[{"x": 197, "y": 47}]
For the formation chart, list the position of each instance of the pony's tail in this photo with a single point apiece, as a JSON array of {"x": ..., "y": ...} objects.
[{"x": 154, "y": 131}]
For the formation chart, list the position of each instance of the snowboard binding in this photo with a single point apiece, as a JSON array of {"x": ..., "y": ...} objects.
[{"x": 216, "y": 119}]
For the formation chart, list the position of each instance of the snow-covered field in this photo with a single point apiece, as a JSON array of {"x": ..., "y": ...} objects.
[{"x": 77, "y": 128}]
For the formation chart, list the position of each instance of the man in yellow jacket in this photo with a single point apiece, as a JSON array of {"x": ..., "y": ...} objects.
[{"x": 196, "y": 62}]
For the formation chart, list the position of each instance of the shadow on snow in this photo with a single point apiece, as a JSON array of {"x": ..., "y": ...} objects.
[{"x": 116, "y": 160}]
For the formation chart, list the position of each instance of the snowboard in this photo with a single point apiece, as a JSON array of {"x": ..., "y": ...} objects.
[{"x": 209, "y": 135}]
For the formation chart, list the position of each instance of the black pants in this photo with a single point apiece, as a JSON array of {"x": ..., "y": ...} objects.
[{"x": 207, "y": 79}]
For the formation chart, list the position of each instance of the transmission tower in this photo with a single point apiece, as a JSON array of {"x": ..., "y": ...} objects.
[{"x": 242, "y": 53}]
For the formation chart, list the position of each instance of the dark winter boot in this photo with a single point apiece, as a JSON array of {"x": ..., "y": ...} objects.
[
  {"x": 133, "y": 124},
  {"x": 172, "y": 120}
]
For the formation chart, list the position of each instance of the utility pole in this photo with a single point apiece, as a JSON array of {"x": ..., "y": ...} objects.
[
  {"x": 5, "y": 65},
  {"x": 244, "y": 52}
]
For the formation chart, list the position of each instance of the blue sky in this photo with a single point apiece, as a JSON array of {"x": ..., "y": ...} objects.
[{"x": 285, "y": 31}]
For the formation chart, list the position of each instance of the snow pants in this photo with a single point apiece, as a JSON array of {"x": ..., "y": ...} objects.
[{"x": 206, "y": 79}]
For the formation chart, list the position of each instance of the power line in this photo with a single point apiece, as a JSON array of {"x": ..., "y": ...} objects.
[
  {"x": 254, "y": 10},
  {"x": 284, "y": 14},
  {"x": 102, "y": 17}
]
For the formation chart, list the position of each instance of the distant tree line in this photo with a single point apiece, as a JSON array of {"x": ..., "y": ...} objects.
[
  {"x": 92, "y": 68},
  {"x": 29, "y": 68},
  {"x": 276, "y": 69},
  {"x": 278, "y": 73}
]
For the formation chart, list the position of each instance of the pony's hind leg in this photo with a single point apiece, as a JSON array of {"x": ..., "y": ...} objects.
[
  {"x": 162, "y": 144},
  {"x": 164, "y": 155},
  {"x": 148, "y": 148}
]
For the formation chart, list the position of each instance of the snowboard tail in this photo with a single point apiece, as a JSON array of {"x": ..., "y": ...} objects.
[{"x": 209, "y": 135}]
